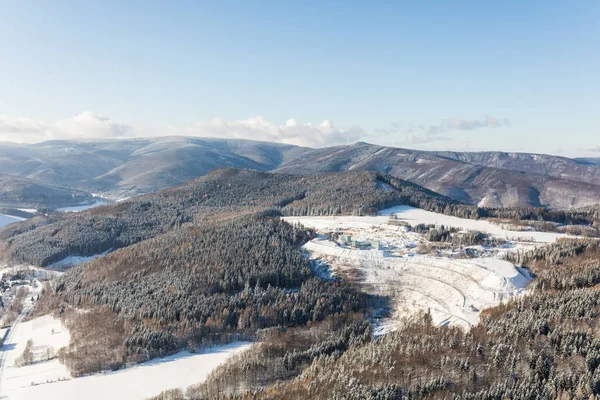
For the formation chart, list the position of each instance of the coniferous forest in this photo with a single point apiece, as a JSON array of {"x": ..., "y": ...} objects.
[
  {"x": 211, "y": 262},
  {"x": 543, "y": 345}
]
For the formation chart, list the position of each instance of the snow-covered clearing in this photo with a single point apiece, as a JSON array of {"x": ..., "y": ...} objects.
[
  {"x": 454, "y": 289},
  {"x": 98, "y": 202},
  {"x": 415, "y": 216},
  {"x": 72, "y": 261},
  {"x": 9, "y": 219},
  {"x": 29, "y": 210},
  {"x": 138, "y": 382},
  {"x": 47, "y": 378},
  {"x": 48, "y": 336}
]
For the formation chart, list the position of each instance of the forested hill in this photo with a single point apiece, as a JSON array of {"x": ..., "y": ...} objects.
[
  {"x": 191, "y": 287},
  {"x": 203, "y": 262},
  {"x": 222, "y": 194}
]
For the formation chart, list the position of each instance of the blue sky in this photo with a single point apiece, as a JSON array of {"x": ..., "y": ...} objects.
[{"x": 465, "y": 75}]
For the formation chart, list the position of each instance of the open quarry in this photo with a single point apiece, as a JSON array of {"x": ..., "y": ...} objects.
[{"x": 385, "y": 258}]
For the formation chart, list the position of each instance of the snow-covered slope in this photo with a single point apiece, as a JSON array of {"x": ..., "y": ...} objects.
[
  {"x": 52, "y": 380},
  {"x": 415, "y": 216},
  {"x": 72, "y": 261},
  {"x": 97, "y": 202},
  {"x": 453, "y": 288},
  {"x": 47, "y": 334},
  {"x": 8, "y": 219}
]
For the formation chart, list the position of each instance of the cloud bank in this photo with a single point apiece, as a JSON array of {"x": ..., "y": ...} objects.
[
  {"x": 592, "y": 148},
  {"x": 292, "y": 132},
  {"x": 89, "y": 125},
  {"x": 85, "y": 125},
  {"x": 420, "y": 134}
]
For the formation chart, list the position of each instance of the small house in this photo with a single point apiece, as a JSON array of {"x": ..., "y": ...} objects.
[{"x": 345, "y": 239}]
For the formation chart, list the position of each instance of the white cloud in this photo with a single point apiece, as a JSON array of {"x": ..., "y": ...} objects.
[
  {"x": 23, "y": 130},
  {"x": 84, "y": 125},
  {"x": 88, "y": 125},
  {"x": 91, "y": 125},
  {"x": 415, "y": 140},
  {"x": 592, "y": 148},
  {"x": 471, "y": 124},
  {"x": 292, "y": 132},
  {"x": 448, "y": 125}
]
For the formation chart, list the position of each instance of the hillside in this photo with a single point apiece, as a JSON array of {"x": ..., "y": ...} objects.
[
  {"x": 123, "y": 168},
  {"x": 201, "y": 263},
  {"x": 588, "y": 161},
  {"x": 28, "y": 193},
  {"x": 488, "y": 179},
  {"x": 222, "y": 194},
  {"x": 209, "y": 262}
]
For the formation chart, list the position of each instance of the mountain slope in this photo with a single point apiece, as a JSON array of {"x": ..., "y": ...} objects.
[
  {"x": 488, "y": 179},
  {"x": 201, "y": 263},
  {"x": 222, "y": 194},
  {"x": 28, "y": 193},
  {"x": 122, "y": 168}
]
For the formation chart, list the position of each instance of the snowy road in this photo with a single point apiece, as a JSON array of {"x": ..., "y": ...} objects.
[
  {"x": 8, "y": 340},
  {"x": 9, "y": 344}
]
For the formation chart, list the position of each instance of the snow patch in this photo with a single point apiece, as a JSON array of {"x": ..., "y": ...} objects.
[
  {"x": 415, "y": 216},
  {"x": 28, "y": 210},
  {"x": 47, "y": 334},
  {"x": 72, "y": 261},
  {"x": 83, "y": 207},
  {"x": 9, "y": 219},
  {"x": 139, "y": 382}
]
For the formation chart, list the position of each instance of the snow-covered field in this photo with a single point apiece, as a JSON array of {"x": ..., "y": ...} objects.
[
  {"x": 29, "y": 210},
  {"x": 8, "y": 219},
  {"x": 72, "y": 261},
  {"x": 48, "y": 335},
  {"x": 415, "y": 216},
  {"x": 454, "y": 289},
  {"x": 48, "y": 378},
  {"x": 31, "y": 271},
  {"x": 51, "y": 379},
  {"x": 98, "y": 202}
]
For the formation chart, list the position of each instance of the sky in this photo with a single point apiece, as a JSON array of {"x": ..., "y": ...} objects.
[{"x": 436, "y": 75}]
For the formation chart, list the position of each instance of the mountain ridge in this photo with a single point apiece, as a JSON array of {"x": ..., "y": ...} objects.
[{"x": 120, "y": 168}]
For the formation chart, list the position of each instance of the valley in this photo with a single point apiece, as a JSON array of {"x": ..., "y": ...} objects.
[{"x": 299, "y": 200}]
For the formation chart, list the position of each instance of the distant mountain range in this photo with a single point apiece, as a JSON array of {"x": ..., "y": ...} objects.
[
  {"x": 27, "y": 193},
  {"x": 123, "y": 168}
]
